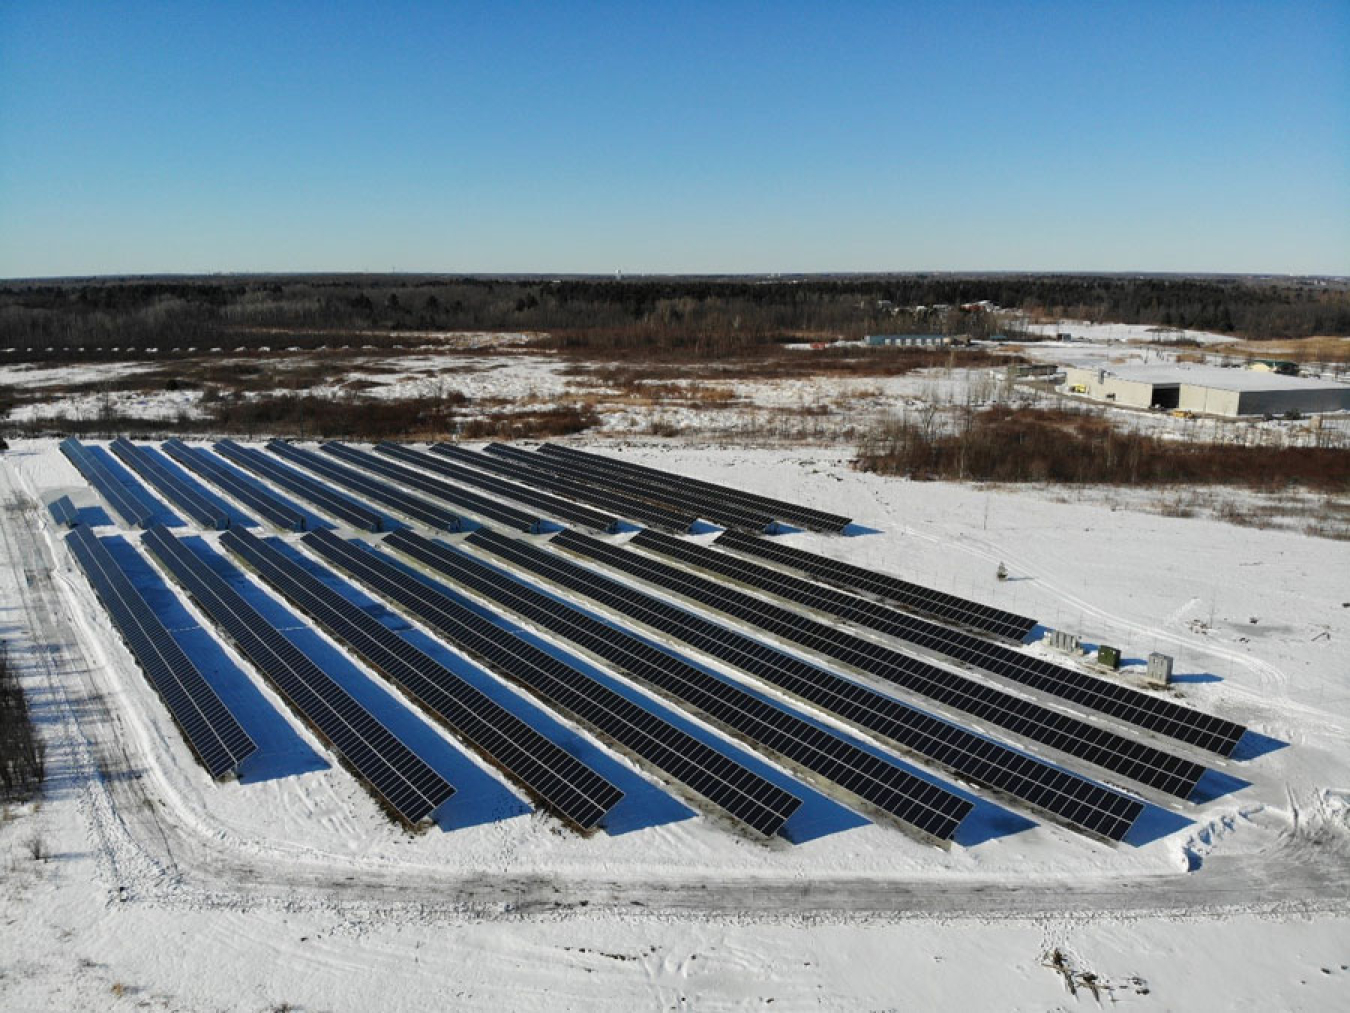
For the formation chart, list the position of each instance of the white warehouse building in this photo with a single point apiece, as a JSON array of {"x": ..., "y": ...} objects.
[{"x": 1208, "y": 390}]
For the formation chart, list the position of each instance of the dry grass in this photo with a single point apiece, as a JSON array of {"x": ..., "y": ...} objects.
[
  {"x": 1328, "y": 348},
  {"x": 1055, "y": 445}
]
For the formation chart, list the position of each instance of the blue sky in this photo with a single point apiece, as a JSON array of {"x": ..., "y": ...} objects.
[{"x": 686, "y": 137}]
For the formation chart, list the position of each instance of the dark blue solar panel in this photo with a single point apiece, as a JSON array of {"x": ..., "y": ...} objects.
[
  {"x": 63, "y": 512},
  {"x": 130, "y": 509},
  {"x": 381, "y": 492},
  {"x": 770, "y": 726},
  {"x": 321, "y": 494},
  {"x": 550, "y": 773},
  {"x": 1161, "y": 716},
  {"x": 402, "y": 779},
  {"x": 216, "y": 737},
  {"x": 549, "y": 506},
  {"x": 1074, "y": 736},
  {"x": 460, "y": 498},
  {"x": 149, "y": 466},
  {"x": 1072, "y": 798},
  {"x": 747, "y": 796},
  {"x": 790, "y": 513},
  {"x": 248, "y": 493}
]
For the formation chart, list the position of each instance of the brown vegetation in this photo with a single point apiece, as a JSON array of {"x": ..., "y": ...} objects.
[
  {"x": 1053, "y": 445},
  {"x": 21, "y": 757}
]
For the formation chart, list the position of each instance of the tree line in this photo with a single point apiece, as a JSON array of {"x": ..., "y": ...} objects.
[{"x": 710, "y": 317}]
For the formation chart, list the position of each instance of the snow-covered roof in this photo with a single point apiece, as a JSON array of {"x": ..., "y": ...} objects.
[{"x": 1218, "y": 377}]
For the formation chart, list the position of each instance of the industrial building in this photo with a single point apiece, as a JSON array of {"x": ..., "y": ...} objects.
[
  {"x": 908, "y": 340},
  {"x": 1208, "y": 390}
]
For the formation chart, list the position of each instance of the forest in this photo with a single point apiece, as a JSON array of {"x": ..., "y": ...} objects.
[{"x": 703, "y": 317}]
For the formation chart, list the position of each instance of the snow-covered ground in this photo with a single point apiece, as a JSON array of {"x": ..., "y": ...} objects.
[{"x": 165, "y": 890}]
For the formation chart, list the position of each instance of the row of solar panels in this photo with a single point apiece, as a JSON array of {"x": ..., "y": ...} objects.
[
  {"x": 537, "y": 480},
  {"x": 1068, "y": 796},
  {"x": 396, "y": 774},
  {"x": 573, "y": 790},
  {"x": 1130, "y": 705},
  {"x": 1141, "y": 764}
]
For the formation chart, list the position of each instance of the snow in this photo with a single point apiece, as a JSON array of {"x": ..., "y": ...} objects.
[
  {"x": 193, "y": 895},
  {"x": 1083, "y": 330}
]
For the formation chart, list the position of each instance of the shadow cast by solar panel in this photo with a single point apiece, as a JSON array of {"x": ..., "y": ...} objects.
[
  {"x": 784, "y": 528},
  {"x": 282, "y": 752},
  {"x": 208, "y": 493},
  {"x": 701, "y": 527},
  {"x": 1153, "y": 824},
  {"x": 479, "y": 797},
  {"x": 1038, "y": 632},
  {"x": 853, "y": 530},
  {"x": 626, "y": 528},
  {"x": 819, "y": 814},
  {"x": 1185, "y": 678},
  {"x": 1216, "y": 784},
  {"x": 313, "y": 521},
  {"x": 644, "y": 805},
  {"x": 985, "y": 822},
  {"x": 1254, "y": 744},
  {"x": 94, "y": 517},
  {"x": 159, "y": 510}
]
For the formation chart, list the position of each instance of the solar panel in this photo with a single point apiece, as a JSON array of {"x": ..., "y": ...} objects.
[
  {"x": 149, "y": 466},
  {"x": 1125, "y": 757},
  {"x": 765, "y": 724},
  {"x": 213, "y": 733},
  {"x": 565, "y": 784},
  {"x": 381, "y": 492},
  {"x": 323, "y": 496},
  {"x": 232, "y": 483},
  {"x": 550, "y": 506},
  {"x": 712, "y": 507},
  {"x": 523, "y": 469},
  {"x": 743, "y": 794},
  {"x": 63, "y": 512},
  {"x": 456, "y": 496},
  {"x": 1150, "y": 713},
  {"x": 96, "y": 473},
  {"x": 947, "y": 607},
  {"x": 396, "y": 774},
  {"x": 792, "y": 513},
  {"x": 1068, "y": 796}
]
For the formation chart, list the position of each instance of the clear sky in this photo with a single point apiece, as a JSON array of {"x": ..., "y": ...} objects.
[{"x": 679, "y": 137}]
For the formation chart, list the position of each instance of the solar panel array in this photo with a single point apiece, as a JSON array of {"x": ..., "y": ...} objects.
[
  {"x": 406, "y": 782},
  {"x": 323, "y": 496},
  {"x": 568, "y": 786},
  {"x": 550, "y": 506},
  {"x": 63, "y": 511},
  {"x": 742, "y": 793},
  {"x": 922, "y": 804},
  {"x": 456, "y": 496},
  {"x": 96, "y": 473},
  {"x": 1125, "y": 757},
  {"x": 213, "y": 733},
  {"x": 686, "y": 497},
  {"x": 1072, "y": 798},
  {"x": 381, "y": 492},
  {"x": 947, "y": 607},
  {"x": 249, "y": 493},
  {"x": 178, "y": 492},
  {"x": 791, "y": 513},
  {"x": 521, "y": 467},
  {"x": 1151, "y": 713}
]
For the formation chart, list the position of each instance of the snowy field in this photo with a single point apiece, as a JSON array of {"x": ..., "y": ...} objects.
[{"x": 160, "y": 889}]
